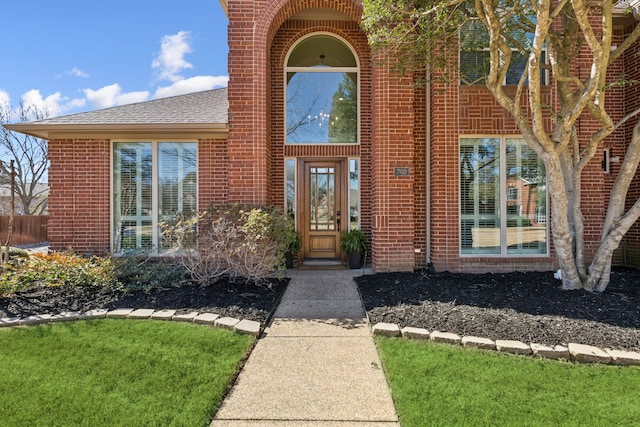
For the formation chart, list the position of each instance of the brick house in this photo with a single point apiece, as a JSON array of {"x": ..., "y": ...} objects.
[{"x": 310, "y": 122}]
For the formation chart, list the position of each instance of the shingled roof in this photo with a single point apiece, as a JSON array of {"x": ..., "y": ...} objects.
[{"x": 205, "y": 111}]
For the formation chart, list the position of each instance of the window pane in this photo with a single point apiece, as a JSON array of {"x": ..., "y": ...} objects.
[
  {"x": 354, "y": 194},
  {"x": 177, "y": 183},
  {"x": 516, "y": 69},
  {"x": 290, "y": 188},
  {"x": 322, "y": 50},
  {"x": 526, "y": 200},
  {"x": 475, "y": 61},
  {"x": 474, "y": 67},
  {"x": 322, "y": 107},
  {"x": 132, "y": 196},
  {"x": 480, "y": 196}
]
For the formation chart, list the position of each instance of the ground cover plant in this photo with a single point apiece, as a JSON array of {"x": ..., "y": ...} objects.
[
  {"x": 59, "y": 282},
  {"x": 116, "y": 372},
  {"x": 438, "y": 384}
]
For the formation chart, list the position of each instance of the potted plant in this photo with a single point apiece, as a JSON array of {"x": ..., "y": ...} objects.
[
  {"x": 293, "y": 246},
  {"x": 353, "y": 243}
]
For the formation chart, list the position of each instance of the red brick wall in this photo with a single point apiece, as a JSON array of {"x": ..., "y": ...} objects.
[
  {"x": 79, "y": 179},
  {"x": 419, "y": 174},
  {"x": 444, "y": 176},
  {"x": 393, "y": 147},
  {"x": 213, "y": 166}
]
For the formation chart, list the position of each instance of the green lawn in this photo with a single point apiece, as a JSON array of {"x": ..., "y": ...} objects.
[
  {"x": 442, "y": 385},
  {"x": 114, "y": 372}
]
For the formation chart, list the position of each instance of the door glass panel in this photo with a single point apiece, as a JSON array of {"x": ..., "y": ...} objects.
[
  {"x": 290, "y": 188},
  {"x": 322, "y": 181},
  {"x": 354, "y": 194}
]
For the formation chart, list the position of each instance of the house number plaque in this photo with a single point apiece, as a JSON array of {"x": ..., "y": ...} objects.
[{"x": 401, "y": 172}]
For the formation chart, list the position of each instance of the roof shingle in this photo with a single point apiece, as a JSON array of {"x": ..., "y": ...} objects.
[{"x": 209, "y": 106}]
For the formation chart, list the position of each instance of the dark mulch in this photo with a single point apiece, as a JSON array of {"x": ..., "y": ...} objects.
[
  {"x": 243, "y": 301},
  {"x": 529, "y": 307}
]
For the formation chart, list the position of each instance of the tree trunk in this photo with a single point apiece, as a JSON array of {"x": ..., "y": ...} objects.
[{"x": 7, "y": 247}]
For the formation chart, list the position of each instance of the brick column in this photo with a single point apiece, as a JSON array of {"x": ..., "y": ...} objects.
[
  {"x": 393, "y": 172},
  {"x": 248, "y": 151}
]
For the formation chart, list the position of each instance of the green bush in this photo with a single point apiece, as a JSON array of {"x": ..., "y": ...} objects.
[
  {"x": 132, "y": 272},
  {"x": 57, "y": 269},
  {"x": 137, "y": 271}
]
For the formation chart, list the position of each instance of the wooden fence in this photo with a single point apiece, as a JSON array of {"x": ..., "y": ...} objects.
[{"x": 27, "y": 229}]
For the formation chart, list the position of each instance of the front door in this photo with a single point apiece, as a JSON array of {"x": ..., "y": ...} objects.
[{"x": 322, "y": 201}]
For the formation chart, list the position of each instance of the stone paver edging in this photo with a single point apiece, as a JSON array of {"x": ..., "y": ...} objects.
[
  {"x": 574, "y": 352},
  {"x": 239, "y": 325}
]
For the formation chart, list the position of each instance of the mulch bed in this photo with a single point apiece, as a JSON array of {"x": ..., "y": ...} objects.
[
  {"x": 529, "y": 307},
  {"x": 242, "y": 301}
]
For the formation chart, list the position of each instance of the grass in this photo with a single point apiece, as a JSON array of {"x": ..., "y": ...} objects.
[
  {"x": 441, "y": 385},
  {"x": 116, "y": 372}
]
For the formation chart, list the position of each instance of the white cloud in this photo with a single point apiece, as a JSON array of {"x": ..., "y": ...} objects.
[
  {"x": 168, "y": 65},
  {"x": 112, "y": 95},
  {"x": 53, "y": 105},
  {"x": 170, "y": 61},
  {"x": 190, "y": 85},
  {"x": 77, "y": 72},
  {"x": 5, "y": 99}
]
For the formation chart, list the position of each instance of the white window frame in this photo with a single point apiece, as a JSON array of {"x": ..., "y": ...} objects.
[
  {"x": 503, "y": 205},
  {"x": 356, "y": 70},
  {"x": 155, "y": 233}
]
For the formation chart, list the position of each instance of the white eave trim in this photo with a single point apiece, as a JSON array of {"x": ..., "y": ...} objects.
[
  {"x": 225, "y": 7},
  {"x": 111, "y": 131}
]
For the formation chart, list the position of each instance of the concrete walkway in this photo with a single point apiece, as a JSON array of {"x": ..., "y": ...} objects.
[{"x": 316, "y": 365}]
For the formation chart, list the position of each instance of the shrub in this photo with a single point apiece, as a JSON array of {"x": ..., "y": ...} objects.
[
  {"x": 137, "y": 271},
  {"x": 133, "y": 271},
  {"x": 57, "y": 269},
  {"x": 234, "y": 240}
]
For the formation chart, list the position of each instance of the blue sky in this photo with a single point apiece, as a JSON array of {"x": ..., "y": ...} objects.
[{"x": 70, "y": 56}]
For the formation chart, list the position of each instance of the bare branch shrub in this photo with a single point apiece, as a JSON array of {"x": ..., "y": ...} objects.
[{"x": 234, "y": 241}]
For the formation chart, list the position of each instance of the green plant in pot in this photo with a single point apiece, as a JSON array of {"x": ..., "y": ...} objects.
[
  {"x": 293, "y": 246},
  {"x": 354, "y": 244}
]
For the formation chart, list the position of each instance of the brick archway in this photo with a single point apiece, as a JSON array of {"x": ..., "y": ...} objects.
[
  {"x": 279, "y": 11},
  {"x": 251, "y": 32}
]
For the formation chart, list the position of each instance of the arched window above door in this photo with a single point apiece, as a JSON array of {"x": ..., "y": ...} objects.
[{"x": 322, "y": 92}]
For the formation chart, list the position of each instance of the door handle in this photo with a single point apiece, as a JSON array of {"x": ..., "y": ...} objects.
[{"x": 338, "y": 222}]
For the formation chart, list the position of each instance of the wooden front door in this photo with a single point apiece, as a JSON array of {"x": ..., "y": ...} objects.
[{"x": 322, "y": 204}]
